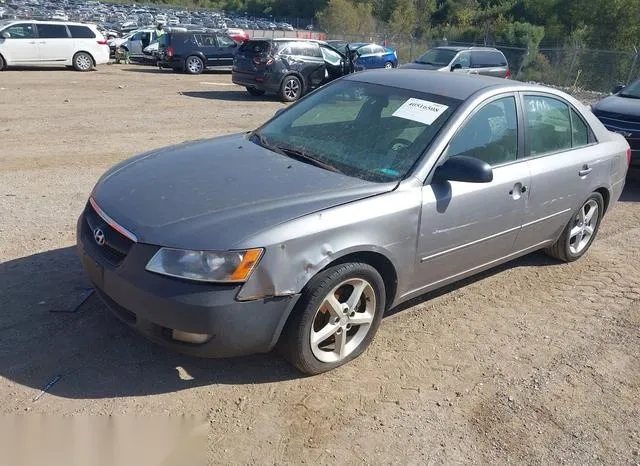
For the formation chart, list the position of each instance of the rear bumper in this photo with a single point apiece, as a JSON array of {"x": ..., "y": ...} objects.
[
  {"x": 155, "y": 305},
  {"x": 102, "y": 55},
  {"x": 265, "y": 82}
]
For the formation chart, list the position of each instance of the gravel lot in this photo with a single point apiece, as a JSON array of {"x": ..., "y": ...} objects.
[{"x": 535, "y": 362}]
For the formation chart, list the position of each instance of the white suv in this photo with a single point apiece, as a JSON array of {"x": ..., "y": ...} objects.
[{"x": 31, "y": 43}]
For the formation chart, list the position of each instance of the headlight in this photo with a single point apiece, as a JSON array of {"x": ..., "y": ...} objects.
[{"x": 205, "y": 266}]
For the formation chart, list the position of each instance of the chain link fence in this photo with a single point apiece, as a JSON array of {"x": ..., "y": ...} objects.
[{"x": 556, "y": 65}]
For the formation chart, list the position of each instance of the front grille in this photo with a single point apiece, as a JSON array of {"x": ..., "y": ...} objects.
[
  {"x": 629, "y": 125},
  {"x": 116, "y": 246}
]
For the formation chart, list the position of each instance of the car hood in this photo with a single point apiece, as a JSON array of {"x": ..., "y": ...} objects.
[
  {"x": 215, "y": 194},
  {"x": 617, "y": 104},
  {"x": 421, "y": 66}
]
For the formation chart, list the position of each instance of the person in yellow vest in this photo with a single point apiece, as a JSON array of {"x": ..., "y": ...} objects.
[{"x": 160, "y": 30}]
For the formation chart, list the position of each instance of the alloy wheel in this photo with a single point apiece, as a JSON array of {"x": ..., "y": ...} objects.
[
  {"x": 194, "y": 65},
  {"x": 343, "y": 320},
  {"x": 584, "y": 225},
  {"x": 292, "y": 89},
  {"x": 83, "y": 62}
]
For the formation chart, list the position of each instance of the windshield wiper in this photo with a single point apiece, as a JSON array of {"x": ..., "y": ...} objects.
[
  {"x": 304, "y": 157},
  {"x": 427, "y": 63},
  {"x": 631, "y": 96}
]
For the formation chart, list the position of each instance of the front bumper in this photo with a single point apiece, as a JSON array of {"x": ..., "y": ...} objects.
[{"x": 155, "y": 305}]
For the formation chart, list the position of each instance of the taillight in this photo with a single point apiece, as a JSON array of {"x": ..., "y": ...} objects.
[
  {"x": 270, "y": 61},
  {"x": 102, "y": 42},
  {"x": 263, "y": 60},
  {"x": 170, "y": 52},
  {"x": 629, "y": 156},
  {"x": 508, "y": 75}
]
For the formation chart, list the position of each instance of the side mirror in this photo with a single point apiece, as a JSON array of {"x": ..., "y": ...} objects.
[
  {"x": 465, "y": 169},
  {"x": 618, "y": 88},
  {"x": 6, "y": 35},
  {"x": 457, "y": 66}
]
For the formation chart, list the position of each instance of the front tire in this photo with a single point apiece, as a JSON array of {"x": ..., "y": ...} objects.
[
  {"x": 291, "y": 89},
  {"x": 388, "y": 65},
  {"x": 194, "y": 65},
  {"x": 335, "y": 319},
  {"x": 578, "y": 235},
  {"x": 255, "y": 92},
  {"x": 82, "y": 61}
]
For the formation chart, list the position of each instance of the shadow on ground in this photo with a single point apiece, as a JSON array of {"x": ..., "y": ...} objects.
[
  {"x": 239, "y": 95},
  {"x": 97, "y": 356},
  {"x": 153, "y": 69}
]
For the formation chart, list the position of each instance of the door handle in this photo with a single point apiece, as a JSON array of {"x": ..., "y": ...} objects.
[
  {"x": 517, "y": 190},
  {"x": 586, "y": 169},
  {"x": 32, "y": 42}
]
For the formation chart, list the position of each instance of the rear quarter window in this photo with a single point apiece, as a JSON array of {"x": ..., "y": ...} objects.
[
  {"x": 81, "y": 32},
  {"x": 487, "y": 59}
]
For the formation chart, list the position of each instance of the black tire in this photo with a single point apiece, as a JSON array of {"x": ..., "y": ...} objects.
[
  {"x": 193, "y": 64},
  {"x": 295, "y": 341},
  {"x": 82, "y": 61},
  {"x": 566, "y": 249},
  {"x": 291, "y": 89},
  {"x": 255, "y": 92},
  {"x": 2, "y": 63}
]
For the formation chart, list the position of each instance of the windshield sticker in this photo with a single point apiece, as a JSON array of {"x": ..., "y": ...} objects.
[{"x": 421, "y": 111}]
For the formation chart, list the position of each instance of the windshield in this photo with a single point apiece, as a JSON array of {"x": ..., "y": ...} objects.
[
  {"x": 368, "y": 131},
  {"x": 632, "y": 90},
  {"x": 438, "y": 57}
]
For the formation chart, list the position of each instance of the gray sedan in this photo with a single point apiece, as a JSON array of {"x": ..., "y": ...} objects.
[{"x": 371, "y": 191}]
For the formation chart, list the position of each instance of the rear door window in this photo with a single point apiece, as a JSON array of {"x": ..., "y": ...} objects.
[
  {"x": 309, "y": 50},
  {"x": 548, "y": 125},
  {"x": 81, "y": 32},
  {"x": 52, "y": 31},
  {"x": 224, "y": 41},
  {"x": 487, "y": 59}
]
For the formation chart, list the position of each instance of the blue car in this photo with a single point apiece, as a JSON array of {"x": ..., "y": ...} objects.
[{"x": 371, "y": 56}]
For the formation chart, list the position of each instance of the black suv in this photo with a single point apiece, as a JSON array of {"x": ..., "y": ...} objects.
[
  {"x": 287, "y": 67},
  {"x": 194, "y": 51}
]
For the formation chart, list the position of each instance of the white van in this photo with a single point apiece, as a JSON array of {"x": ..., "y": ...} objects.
[{"x": 33, "y": 43}]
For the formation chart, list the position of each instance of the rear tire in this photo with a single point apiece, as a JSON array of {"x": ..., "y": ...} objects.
[
  {"x": 388, "y": 65},
  {"x": 2, "y": 63},
  {"x": 290, "y": 89},
  {"x": 335, "y": 319},
  {"x": 255, "y": 92},
  {"x": 193, "y": 65},
  {"x": 82, "y": 61},
  {"x": 581, "y": 230}
]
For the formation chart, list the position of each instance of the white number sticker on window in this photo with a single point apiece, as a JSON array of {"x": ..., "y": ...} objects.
[{"x": 421, "y": 111}]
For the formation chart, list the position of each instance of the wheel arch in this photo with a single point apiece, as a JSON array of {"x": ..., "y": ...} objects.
[
  {"x": 3, "y": 61},
  {"x": 606, "y": 197}
]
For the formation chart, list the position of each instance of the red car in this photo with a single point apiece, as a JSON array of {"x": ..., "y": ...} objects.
[{"x": 239, "y": 35}]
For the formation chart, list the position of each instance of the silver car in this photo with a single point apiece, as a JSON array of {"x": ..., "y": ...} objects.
[
  {"x": 486, "y": 61},
  {"x": 371, "y": 191}
]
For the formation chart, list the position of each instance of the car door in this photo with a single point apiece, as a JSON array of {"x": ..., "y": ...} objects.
[
  {"x": 135, "y": 44},
  {"x": 466, "y": 227},
  {"x": 488, "y": 63},
  {"x": 18, "y": 44},
  {"x": 565, "y": 166},
  {"x": 226, "y": 49},
  {"x": 365, "y": 58},
  {"x": 55, "y": 43}
]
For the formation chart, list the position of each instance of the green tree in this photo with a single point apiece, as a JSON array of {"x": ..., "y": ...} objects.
[
  {"x": 404, "y": 17},
  {"x": 346, "y": 17}
]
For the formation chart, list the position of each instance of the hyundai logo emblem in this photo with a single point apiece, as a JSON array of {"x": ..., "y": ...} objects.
[{"x": 98, "y": 236}]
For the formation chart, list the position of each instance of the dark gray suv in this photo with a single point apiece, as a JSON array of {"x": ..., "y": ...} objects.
[
  {"x": 472, "y": 60},
  {"x": 287, "y": 67}
]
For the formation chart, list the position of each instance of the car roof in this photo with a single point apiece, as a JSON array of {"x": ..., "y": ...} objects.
[
  {"x": 455, "y": 85},
  {"x": 460, "y": 48}
]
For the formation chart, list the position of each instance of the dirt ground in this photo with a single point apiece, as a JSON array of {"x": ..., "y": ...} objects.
[{"x": 536, "y": 362}]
